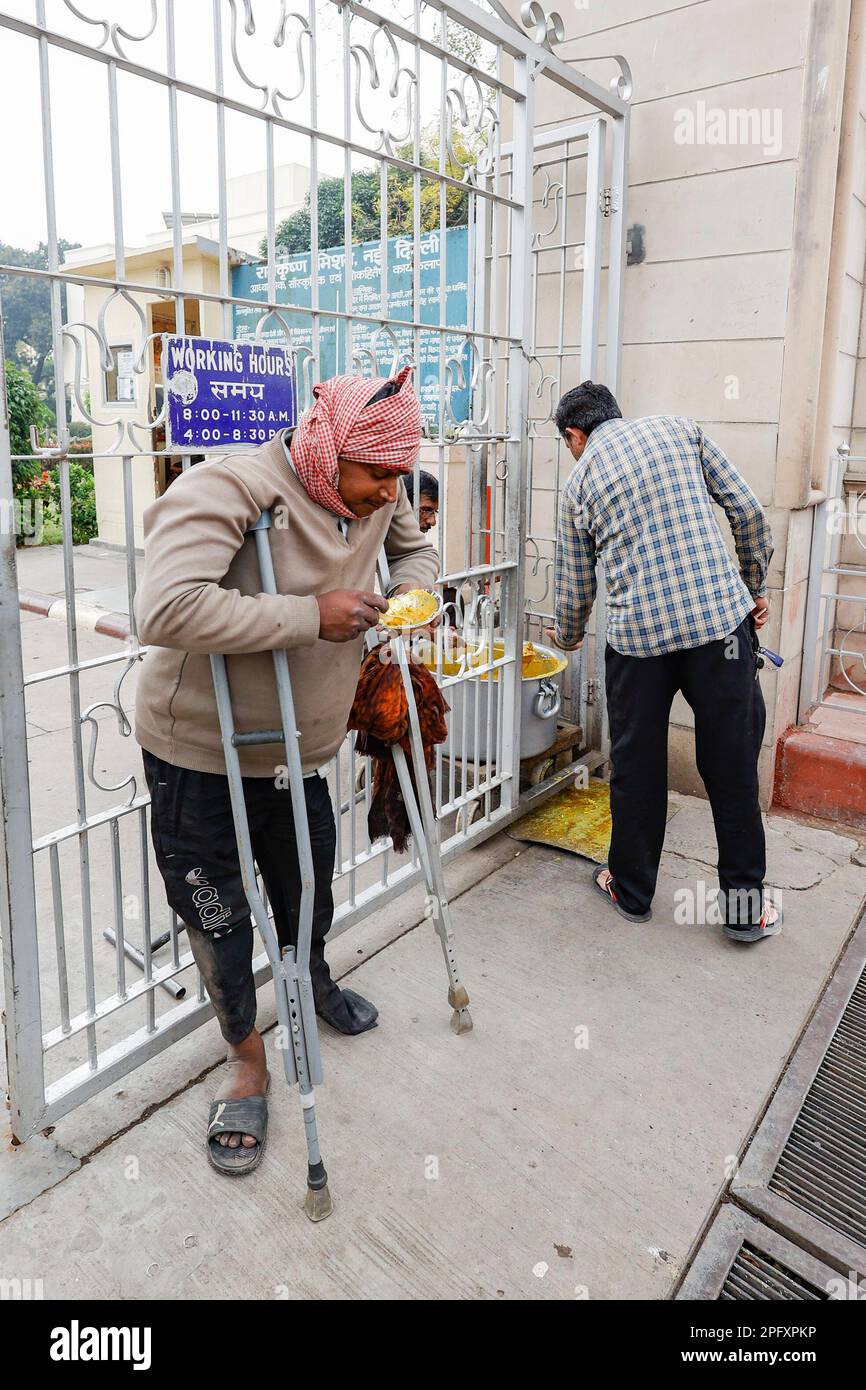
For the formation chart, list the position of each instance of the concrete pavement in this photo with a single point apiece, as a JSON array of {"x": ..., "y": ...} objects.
[{"x": 571, "y": 1146}]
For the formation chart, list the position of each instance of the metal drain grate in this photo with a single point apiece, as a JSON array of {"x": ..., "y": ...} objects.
[
  {"x": 754, "y": 1275},
  {"x": 805, "y": 1171},
  {"x": 822, "y": 1168},
  {"x": 742, "y": 1260}
]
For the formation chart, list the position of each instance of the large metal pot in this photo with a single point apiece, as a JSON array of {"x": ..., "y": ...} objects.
[{"x": 541, "y": 697}]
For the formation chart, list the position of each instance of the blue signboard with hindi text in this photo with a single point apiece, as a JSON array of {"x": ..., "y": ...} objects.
[
  {"x": 224, "y": 394},
  {"x": 444, "y": 362}
]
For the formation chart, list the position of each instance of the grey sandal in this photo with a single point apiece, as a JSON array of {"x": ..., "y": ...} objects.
[
  {"x": 761, "y": 929},
  {"x": 245, "y": 1115},
  {"x": 611, "y": 897}
]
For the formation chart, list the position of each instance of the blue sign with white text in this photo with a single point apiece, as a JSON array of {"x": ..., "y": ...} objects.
[
  {"x": 444, "y": 360},
  {"x": 221, "y": 394}
]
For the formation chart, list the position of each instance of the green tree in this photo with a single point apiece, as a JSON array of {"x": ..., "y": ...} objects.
[
  {"x": 26, "y": 408},
  {"x": 27, "y": 313},
  {"x": 293, "y": 234}
]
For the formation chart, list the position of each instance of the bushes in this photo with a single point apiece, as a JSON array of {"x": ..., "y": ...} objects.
[
  {"x": 83, "y": 496},
  {"x": 26, "y": 408},
  {"x": 38, "y": 509},
  {"x": 29, "y": 476},
  {"x": 36, "y": 486}
]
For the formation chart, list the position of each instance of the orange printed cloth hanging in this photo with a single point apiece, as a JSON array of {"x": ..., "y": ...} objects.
[{"x": 380, "y": 714}]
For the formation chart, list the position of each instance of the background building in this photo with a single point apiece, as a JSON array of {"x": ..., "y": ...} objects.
[{"x": 123, "y": 391}]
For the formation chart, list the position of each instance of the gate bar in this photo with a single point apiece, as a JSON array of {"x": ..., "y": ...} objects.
[
  {"x": 23, "y": 1015},
  {"x": 519, "y": 309}
]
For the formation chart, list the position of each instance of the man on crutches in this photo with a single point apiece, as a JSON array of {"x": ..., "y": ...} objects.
[{"x": 332, "y": 490}]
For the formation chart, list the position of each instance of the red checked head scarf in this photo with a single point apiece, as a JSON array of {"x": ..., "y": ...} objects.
[{"x": 342, "y": 424}]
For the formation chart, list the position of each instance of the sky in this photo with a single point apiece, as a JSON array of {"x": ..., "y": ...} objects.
[{"x": 80, "y": 114}]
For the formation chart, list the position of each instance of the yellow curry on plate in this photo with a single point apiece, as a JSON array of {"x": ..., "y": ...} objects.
[{"x": 411, "y": 609}]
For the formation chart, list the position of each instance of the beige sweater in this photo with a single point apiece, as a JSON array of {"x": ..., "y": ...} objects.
[{"x": 201, "y": 594}]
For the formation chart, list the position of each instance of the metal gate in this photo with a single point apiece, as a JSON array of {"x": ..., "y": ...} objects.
[
  {"x": 457, "y": 118},
  {"x": 834, "y": 642}
]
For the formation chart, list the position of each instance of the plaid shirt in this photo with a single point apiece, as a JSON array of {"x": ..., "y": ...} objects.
[{"x": 639, "y": 498}]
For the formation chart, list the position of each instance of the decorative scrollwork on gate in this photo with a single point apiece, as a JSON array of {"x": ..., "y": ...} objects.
[
  {"x": 112, "y": 30},
  {"x": 140, "y": 365},
  {"x": 382, "y": 341},
  {"x": 541, "y": 564},
  {"x": 859, "y": 655},
  {"x": 852, "y": 518},
  {"x": 124, "y": 728},
  {"x": 623, "y": 83},
  {"x": 259, "y": 334},
  {"x": 375, "y": 59},
  {"x": 476, "y": 374},
  {"x": 471, "y": 111},
  {"x": 106, "y": 362},
  {"x": 543, "y": 393},
  {"x": 553, "y": 195},
  {"x": 546, "y": 29},
  {"x": 306, "y": 373},
  {"x": 857, "y": 518},
  {"x": 271, "y": 94}
]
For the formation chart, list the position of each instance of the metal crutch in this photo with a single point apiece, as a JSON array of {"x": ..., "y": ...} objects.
[
  {"x": 425, "y": 827},
  {"x": 296, "y": 1010}
]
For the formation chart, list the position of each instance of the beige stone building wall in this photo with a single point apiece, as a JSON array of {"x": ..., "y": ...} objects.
[
  {"x": 738, "y": 316},
  {"x": 852, "y": 346}
]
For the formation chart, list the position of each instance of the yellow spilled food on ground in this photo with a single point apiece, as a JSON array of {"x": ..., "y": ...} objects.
[{"x": 576, "y": 819}]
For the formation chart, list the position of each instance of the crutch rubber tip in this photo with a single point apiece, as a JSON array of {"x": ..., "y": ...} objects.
[
  {"x": 317, "y": 1203},
  {"x": 461, "y": 1021},
  {"x": 458, "y": 997}
]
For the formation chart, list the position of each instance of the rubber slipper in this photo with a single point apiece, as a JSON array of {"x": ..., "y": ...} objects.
[
  {"x": 611, "y": 897},
  {"x": 761, "y": 930},
  {"x": 244, "y": 1115}
]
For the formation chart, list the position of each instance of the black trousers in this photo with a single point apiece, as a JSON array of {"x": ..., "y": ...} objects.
[
  {"x": 720, "y": 682},
  {"x": 194, "y": 840}
]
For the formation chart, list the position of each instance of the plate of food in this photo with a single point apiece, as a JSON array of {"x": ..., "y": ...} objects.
[{"x": 416, "y": 608}]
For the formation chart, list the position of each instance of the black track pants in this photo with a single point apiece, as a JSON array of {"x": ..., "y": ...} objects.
[
  {"x": 196, "y": 850},
  {"x": 719, "y": 681}
]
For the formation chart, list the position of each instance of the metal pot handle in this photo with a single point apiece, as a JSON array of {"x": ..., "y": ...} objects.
[{"x": 547, "y": 691}]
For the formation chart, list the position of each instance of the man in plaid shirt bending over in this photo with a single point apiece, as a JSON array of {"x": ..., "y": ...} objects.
[{"x": 681, "y": 616}]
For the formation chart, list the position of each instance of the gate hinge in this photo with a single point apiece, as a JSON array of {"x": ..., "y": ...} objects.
[
  {"x": 591, "y": 689},
  {"x": 608, "y": 201}
]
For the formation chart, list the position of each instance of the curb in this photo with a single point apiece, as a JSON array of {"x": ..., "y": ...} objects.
[{"x": 87, "y": 615}]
